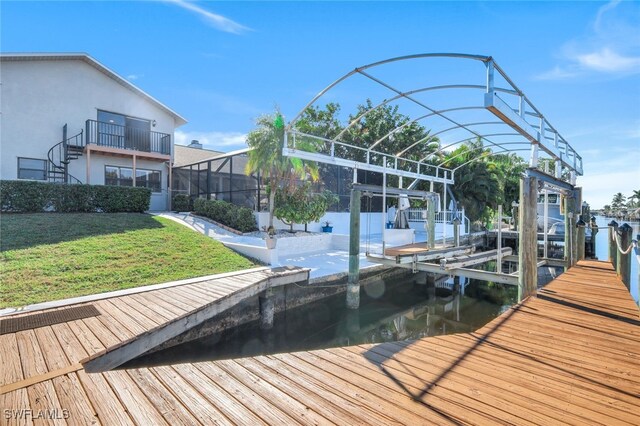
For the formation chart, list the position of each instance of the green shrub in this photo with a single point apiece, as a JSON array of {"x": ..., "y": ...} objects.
[
  {"x": 199, "y": 206},
  {"x": 24, "y": 196},
  {"x": 245, "y": 220},
  {"x": 36, "y": 197},
  {"x": 240, "y": 218},
  {"x": 181, "y": 203}
]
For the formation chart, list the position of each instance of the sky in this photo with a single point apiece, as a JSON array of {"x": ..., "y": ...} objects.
[{"x": 222, "y": 64}]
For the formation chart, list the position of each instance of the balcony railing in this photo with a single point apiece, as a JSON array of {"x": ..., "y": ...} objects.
[{"x": 126, "y": 137}]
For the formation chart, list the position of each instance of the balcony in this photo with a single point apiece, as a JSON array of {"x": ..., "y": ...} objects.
[{"x": 127, "y": 138}]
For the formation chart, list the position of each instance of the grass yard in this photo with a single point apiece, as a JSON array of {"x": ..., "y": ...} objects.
[{"x": 49, "y": 256}]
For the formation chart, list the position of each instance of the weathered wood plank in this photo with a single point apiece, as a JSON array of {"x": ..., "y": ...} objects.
[
  {"x": 280, "y": 399},
  {"x": 138, "y": 405},
  {"x": 11, "y": 372},
  {"x": 261, "y": 407},
  {"x": 162, "y": 399},
  {"x": 42, "y": 396},
  {"x": 331, "y": 395},
  {"x": 154, "y": 336},
  {"x": 107, "y": 406},
  {"x": 208, "y": 400}
]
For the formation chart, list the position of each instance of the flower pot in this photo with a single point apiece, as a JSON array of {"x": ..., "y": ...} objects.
[
  {"x": 327, "y": 228},
  {"x": 271, "y": 242}
]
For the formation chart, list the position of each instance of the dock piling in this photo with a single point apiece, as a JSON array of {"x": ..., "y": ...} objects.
[
  {"x": 431, "y": 223},
  {"x": 267, "y": 309},
  {"x": 576, "y": 212},
  {"x": 353, "y": 283},
  {"x": 456, "y": 232},
  {"x": 624, "y": 247},
  {"x": 581, "y": 237},
  {"x": 594, "y": 233},
  {"x": 613, "y": 251},
  {"x": 528, "y": 242}
]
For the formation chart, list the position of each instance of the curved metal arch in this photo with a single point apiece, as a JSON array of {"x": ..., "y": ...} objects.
[
  {"x": 481, "y": 58},
  {"x": 478, "y": 123},
  {"x": 491, "y": 153},
  {"x": 376, "y": 143},
  {"x": 560, "y": 150},
  {"x": 468, "y": 139},
  {"x": 406, "y": 95}
]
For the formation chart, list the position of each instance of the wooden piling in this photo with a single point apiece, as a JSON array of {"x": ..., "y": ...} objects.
[
  {"x": 431, "y": 223},
  {"x": 528, "y": 242},
  {"x": 594, "y": 233},
  {"x": 456, "y": 232},
  {"x": 623, "y": 261},
  {"x": 581, "y": 237},
  {"x": 568, "y": 231},
  {"x": 353, "y": 283},
  {"x": 577, "y": 212},
  {"x": 613, "y": 251},
  {"x": 267, "y": 309}
]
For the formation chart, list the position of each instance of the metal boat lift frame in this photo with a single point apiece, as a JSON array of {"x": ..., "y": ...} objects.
[{"x": 524, "y": 121}]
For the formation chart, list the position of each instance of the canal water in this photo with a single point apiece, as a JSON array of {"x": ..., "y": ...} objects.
[
  {"x": 602, "y": 250},
  {"x": 390, "y": 310}
]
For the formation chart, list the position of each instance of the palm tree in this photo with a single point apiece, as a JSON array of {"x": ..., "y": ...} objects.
[
  {"x": 634, "y": 199},
  {"x": 479, "y": 183},
  {"x": 618, "y": 200},
  {"x": 266, "y": 158}
]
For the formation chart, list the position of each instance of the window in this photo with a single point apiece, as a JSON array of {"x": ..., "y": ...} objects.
[
  {"x": 149, "y": 179},
  {"x": 120, "y": 131},
  {"x": 32, "y": 168},
  {"x": 123, "y": 176},
  {"x": 118, "y": 176}
]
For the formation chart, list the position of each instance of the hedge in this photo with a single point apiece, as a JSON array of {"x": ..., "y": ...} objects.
[
  {"x": 36, "y": 197},
  {"x": 240, "y": 218},
  {"x": 181, "y": 203}
]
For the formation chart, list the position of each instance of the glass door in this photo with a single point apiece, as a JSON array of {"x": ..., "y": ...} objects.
[{"x": 137, "y": 134}]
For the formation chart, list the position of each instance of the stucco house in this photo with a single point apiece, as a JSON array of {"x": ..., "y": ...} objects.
[{"x": 67, "y": 118}]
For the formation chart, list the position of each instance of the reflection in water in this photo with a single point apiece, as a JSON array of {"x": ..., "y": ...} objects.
[{"x": 394, "y": 309}]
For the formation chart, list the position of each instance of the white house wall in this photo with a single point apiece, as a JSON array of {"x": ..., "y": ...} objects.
[
  {"x": 39, "y": 96},
  {"x": 78, "y": 168}
]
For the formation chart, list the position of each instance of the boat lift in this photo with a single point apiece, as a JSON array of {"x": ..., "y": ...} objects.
[{"x": 499, "y": 98}]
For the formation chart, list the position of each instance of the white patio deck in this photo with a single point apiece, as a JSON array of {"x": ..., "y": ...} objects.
[{"x": 323, "y": 264}]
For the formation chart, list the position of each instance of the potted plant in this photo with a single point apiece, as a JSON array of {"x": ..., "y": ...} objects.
[
  {"x": 327, "y": 227},
  {"x": 270, "y": 239}
]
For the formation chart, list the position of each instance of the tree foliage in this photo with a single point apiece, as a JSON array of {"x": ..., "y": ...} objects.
[
  {"x": 266, "y": 158},
  {"x": 483, "y": 181},
  {"x": 300, "y": 205}
]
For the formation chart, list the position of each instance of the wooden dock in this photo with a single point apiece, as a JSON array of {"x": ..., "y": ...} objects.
[{"x": 568, "y": 356}]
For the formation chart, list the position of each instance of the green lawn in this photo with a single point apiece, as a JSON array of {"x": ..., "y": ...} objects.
[{"x": 51, "y": 256}]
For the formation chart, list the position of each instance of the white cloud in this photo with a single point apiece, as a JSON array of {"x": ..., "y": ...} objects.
[
  {"x": 133, "y": 77},
  {"x": 606, "y": 60},
  {"x": 217, "y": 141},
  {"x": 610, "y": 47},
  {"x": 217, "y": 21},
  {"x": 557, "y": 73}
]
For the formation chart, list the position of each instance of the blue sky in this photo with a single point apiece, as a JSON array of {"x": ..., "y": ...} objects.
[{"x": 222, "y": 64}]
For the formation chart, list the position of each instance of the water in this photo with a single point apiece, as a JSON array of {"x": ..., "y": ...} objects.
[
  {"x": 602, "y": 250},
  {"x": 391, "y": 310}
]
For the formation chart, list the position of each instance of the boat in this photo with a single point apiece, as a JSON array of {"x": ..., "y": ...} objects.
[{"x": 555, "y": 216}]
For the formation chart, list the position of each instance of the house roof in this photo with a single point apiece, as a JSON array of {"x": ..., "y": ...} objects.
[
  {"x": 97, "y": 65},
  {"x": 185, "y": 155}
]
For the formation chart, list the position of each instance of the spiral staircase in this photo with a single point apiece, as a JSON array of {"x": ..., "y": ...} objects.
[{"x": 61, "y": 154}]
